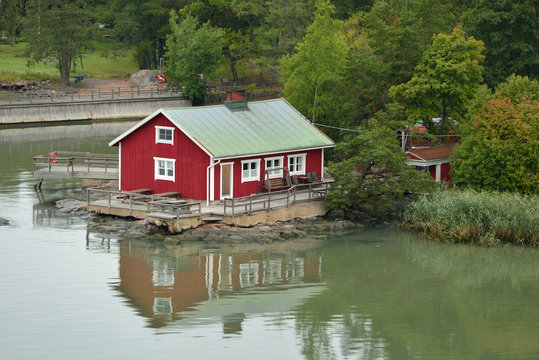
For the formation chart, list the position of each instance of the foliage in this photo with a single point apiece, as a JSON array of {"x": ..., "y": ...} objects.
[
  {"x": 57, "y": 29},
  {"x": 372, "y": 173},
  {"x": 487, "y": 218},
  {"x": 443, "y": 82},
  {"x": 313, "y": 75},
  {"x": 509, "y": 31},
  {"x": 193, "y": 52},
  {"x": 9, "y": 19},
  {"x": 500, "y": 147}
]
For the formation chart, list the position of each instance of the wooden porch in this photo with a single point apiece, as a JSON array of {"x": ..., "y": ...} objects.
[{"x": 178, "y": 213}]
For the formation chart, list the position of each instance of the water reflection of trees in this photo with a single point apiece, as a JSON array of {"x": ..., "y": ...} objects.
[{"x": 406, "y": 298}]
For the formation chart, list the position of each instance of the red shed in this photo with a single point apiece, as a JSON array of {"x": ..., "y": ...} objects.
[
  {"x": 222, "y": 151},
  {"x": 433, "y": 159}
]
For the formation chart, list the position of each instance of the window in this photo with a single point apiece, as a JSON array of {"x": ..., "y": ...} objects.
[
  {"x": 296, "y": 164},
  {"x": 164, "y": 135},
  {"x": 274, "y": 163},
  {"x": 249, "y": 170},
  {"x": 164, "y": 169}
]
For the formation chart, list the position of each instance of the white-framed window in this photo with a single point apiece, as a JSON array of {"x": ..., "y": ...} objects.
[
  {"x": 250, "y": 170},
  {"x": 274, "y": 163},
  {"x": 296, "y": 164},
  {"x": 164, "y": 135},
  {"x": 164, "y": 169}
]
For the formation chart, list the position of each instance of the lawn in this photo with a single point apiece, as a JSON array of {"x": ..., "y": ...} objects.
[{"x": 14, "y": 64}]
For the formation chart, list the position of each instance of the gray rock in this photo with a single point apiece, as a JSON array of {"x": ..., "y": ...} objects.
[
  {"x": 71, "y": 206},
  {"x": 4, "y": 222},
  {"x": 144, "y": 78}
]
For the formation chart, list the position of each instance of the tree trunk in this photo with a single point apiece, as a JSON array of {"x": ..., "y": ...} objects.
[
  {"x": 64, "y": 62},
  {"x": 233, "y": 70}
]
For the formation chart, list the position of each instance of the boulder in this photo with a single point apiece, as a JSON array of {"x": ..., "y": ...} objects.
[{"x": 144, "y": 78}]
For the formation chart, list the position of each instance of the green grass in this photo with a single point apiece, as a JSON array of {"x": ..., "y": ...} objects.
[
  {"x": 485, "y": 218},
  {"x": 14, "y": 64}
]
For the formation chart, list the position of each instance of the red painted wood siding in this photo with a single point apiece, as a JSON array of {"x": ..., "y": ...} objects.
[
  {"x": 313, "y": 164},
  {"x": 446, "y": 175},
  {"x": 137, "y": 168}
]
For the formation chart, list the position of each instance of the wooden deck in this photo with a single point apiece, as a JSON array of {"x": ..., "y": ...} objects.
[{"x": 188, "y": 213}]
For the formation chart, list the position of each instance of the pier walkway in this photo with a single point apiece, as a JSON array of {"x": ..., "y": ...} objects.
[{"x": 78, "y": 165}]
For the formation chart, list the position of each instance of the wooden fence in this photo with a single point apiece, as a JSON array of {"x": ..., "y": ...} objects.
[
  {"x": 56, "y": 96},
  {"x": 276, "y": 199}
]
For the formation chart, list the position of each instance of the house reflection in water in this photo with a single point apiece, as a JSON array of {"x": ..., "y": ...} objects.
[{"x": 172, "y": 284}]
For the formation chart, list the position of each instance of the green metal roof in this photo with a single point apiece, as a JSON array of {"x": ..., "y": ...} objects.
[{"x": 267, "y": 126}]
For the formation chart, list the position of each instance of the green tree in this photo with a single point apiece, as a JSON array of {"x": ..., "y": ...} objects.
[
  {"x": 372, "y": 173},
  {"x": 59, "y": 29},
  {"x": 444, "y": 81},
  {"x": 510, "y": 32},
  {"x": 500, "y": 141},
  {"x": 9, "y": 19},
  {"x": 312, "y": 77},
  {"x": 193, "y": 51}
]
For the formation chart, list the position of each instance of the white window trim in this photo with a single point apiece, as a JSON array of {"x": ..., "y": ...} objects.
[
  {"x": 157, "y": 176},
  {"x": 255, "y": 178},
  {"x": 304, "y": 156},
  {"x": 280, "y": 173},
  {"x": 231, "y": 180},
  {"x": 162, "y": 141}
]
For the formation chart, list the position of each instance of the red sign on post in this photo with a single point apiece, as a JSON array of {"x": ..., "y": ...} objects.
[{"x": 161, "y": 78}]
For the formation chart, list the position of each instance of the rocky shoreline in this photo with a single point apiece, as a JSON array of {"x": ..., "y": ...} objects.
[{"x": 315, "y": 227}]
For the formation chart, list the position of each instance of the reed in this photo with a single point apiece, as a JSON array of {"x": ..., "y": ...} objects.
[{"x": 485, "y": 218}]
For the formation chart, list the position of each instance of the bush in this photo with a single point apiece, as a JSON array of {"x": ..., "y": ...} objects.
[{"x": 485, "y": 218}]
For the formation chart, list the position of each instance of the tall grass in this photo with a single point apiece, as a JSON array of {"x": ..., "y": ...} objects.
[{"x": 486, "y": 218}]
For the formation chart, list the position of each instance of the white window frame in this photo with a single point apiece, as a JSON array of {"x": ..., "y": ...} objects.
[
  {"x": 164, "y": 177},
  {"x": 303, "y": 161},
  {"x": 251, "y": 178},
  {"x": 274, "y": 174},
  {"x": 158, "y": 140},
  {"x": 231, "y": 180}
]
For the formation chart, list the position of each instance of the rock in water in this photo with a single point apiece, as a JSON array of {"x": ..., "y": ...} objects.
[{"x": 4, "y": 222}]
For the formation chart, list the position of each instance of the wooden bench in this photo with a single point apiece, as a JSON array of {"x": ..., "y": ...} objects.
[{"x": 275, "y": 184}]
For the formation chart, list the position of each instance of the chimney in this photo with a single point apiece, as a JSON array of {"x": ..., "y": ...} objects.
[{"x": 235, "y": 100}]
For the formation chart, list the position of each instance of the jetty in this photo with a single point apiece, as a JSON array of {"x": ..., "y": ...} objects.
[
  {"x": 74, "y": 165},
  {"x": 177, "y": 214}
]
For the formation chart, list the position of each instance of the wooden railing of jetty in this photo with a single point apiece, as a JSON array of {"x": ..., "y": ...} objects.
[
  {"x": 75, "y": 161},
  {"x": 276, "y": 199}
]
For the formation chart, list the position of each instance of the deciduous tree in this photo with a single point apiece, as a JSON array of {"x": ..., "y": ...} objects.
[
  {"x": 57, "y": 29},
  {"x": 444, "y": 81},
  {"x": 500, "y": 141},
  {"x": 371, "y": 172},
  {"x": 312, "y": 77},
  {"x": 510, "y": 32},
  {"x": 192, "y": 53}
]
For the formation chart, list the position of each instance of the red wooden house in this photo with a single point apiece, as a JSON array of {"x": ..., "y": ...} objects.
[
  {"x": 433, "y": 159},
  {"x": 222, "y": 151}
]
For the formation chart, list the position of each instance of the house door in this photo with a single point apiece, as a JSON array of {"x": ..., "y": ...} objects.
[{"x": 226, "y": 180}]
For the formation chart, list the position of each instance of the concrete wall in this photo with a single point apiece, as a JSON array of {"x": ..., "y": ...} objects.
[{"x": 86, "y": 110}]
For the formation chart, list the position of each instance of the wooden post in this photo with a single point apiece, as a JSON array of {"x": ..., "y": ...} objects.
[
  {"x": 232, "y": 201},
  {"x": 119, "y": 92},
  {"x": 269, "y": 201},
  {"x": 92, "y": 95}
]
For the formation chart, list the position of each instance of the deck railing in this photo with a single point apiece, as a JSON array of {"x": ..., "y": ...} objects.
[
  {"x": 75, "y": 161},
  {"x": 148, "y": 203},
  {"x": 275, "y": 199}
]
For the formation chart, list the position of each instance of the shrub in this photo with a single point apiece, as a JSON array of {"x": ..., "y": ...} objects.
[{"x": 485, "y": 218}]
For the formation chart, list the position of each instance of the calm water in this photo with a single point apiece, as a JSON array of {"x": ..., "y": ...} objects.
[{"x": 68, "y": 292}]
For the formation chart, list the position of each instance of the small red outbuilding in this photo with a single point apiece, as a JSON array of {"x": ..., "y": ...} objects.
[
  {"x": 433, "y": 159},
  {"x": 222, "y": 151}
]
